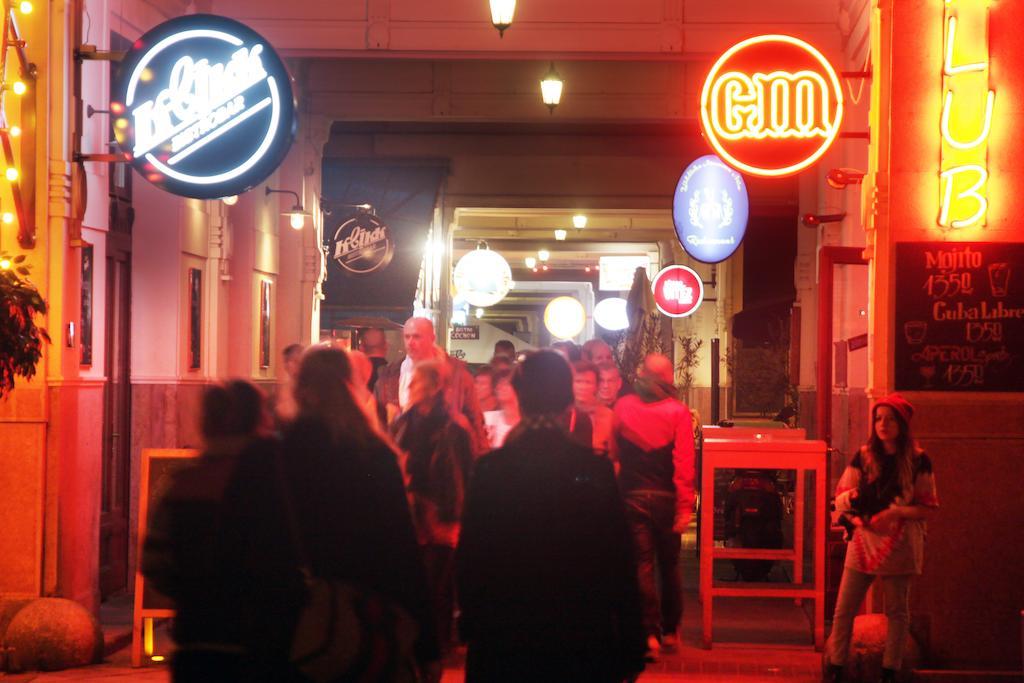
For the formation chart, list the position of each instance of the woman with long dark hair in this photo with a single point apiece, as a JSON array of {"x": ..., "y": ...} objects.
[
  {"x": 349, "y": 499},
  {"x": 884, "y": 497}
]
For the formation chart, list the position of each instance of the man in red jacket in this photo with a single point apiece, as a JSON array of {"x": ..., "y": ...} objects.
[{"x": 654, "y": 433}]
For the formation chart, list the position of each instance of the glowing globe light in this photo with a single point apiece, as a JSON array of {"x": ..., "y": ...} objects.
[
  {"x": 15, "y": 131},
  {"x": 611, "y": 314},
  {"x": 297, "y": 220},
  {"x": 7, "y": 217},
  {"x": 11, "y": 173},
  {"x": 19, "y": 88},
  {"x": 564, "y": 317},
  {"x": 483, "y": 277}
]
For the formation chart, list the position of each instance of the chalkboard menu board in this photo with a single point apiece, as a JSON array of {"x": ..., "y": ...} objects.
[
  {"x": 960, "y": 316},
  {"x": 159, "y": 465}
]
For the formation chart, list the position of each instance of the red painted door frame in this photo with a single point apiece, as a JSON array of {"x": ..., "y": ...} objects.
[{"x": 828, "y": 257}]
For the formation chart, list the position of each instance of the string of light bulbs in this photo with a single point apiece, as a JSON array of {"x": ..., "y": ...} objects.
[{"x": 18, "y": 85}]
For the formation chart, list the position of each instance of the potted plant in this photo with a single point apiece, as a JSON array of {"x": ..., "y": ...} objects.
[{"x": 21, "y": 340}]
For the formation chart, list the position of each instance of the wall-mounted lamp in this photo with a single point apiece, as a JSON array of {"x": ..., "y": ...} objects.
[
  {"x": 839, "y": 178},
  {"x": 230, "y": 201},
  {"x": 328, "y": 205},
  {"x": 813, "y": 220},
  {"x": 297, "y": 215},
  {"x": 551, "y": 89},
  {"x": 502, "y": 13}
]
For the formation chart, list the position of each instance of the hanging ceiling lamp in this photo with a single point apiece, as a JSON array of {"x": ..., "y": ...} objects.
[
  {"x": 551, "y": 89},
  {"x": 502, "y": 12},
  {"x": 482, "y": 277}
]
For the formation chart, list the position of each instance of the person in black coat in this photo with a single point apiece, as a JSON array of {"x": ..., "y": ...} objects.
[
  {"x": 217, "y": 546},
  {"x": 349, "y": 499},
  {"x": 438, "y": 460},
  {"x": 544, "y": 569}
]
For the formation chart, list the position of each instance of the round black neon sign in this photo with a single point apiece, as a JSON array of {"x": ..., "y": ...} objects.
[
  {"x": 362, "y": 245},
  {"x": 203, "y": 106}
]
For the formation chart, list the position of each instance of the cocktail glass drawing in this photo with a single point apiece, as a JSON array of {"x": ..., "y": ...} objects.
[
  {"x": 999, "y": 278},
  {"x": 915, "y": 331}
]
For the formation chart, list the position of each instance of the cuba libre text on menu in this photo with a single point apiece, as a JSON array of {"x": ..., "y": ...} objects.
[{"x": 968, "y": 289}]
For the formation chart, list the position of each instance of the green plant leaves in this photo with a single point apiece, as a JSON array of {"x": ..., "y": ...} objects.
[{"x": 21, "y": 340}]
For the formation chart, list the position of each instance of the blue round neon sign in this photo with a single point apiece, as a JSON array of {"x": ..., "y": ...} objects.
[{"x": 710, "y": 209}]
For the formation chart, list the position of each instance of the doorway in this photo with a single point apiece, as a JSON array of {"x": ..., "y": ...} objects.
[{"x": 114, "y": 507}]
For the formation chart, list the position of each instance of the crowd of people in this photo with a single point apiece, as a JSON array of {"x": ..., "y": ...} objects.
[{"x": 532, "y": 512}]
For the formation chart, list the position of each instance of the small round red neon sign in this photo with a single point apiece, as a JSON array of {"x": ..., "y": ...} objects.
[
  {"x": 771, "y": 105},
  {"x": 678, "y": 291}
]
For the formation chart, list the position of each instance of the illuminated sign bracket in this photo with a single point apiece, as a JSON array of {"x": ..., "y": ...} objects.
[{"x": 89, "y": 52}]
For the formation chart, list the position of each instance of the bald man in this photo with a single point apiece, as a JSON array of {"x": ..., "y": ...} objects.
[
  {"x": 654, "y": 435},
  {"x": 392, "y": 388}
]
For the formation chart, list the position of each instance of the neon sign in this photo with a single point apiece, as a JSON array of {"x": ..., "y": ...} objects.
[
  {"x": 204, "y": 107},
  {"x": 771, "y": 105},
  {"x": 362, "y": 245},
  {"x": 678, "y": 291},
  {"x": 967, "y": 105},
  {"x": 710, "y": 210}
]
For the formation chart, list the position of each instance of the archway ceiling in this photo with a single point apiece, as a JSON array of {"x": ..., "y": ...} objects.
[{"x": 517, "y": 233}]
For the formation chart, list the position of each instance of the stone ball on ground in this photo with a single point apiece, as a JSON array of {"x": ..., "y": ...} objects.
[
  {"x": 50, "y": 634},
  {"x": 868, "y": 645},
  {"x": 8, "y": 608}
]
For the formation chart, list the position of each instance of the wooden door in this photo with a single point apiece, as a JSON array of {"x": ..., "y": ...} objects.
[{"x": 114, "y": 510}]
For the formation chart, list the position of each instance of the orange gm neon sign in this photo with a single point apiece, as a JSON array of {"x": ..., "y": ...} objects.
[
  {"x": 966, "y": 119},
  {"x": 771, "y": 105}
]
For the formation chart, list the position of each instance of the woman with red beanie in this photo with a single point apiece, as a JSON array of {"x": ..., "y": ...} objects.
[{"x": 885, "y": 495}]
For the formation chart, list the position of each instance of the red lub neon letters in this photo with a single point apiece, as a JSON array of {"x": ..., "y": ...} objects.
[
  {"x": 771, "y": 105},
  {"x": 966, "y": 119}
]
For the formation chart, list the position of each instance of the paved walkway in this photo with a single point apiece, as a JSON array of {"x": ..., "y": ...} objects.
[
  {"x": 740, "y": 666},
  {"x": 781, "y": 629},
  {"x": 789, "y": 657}
]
